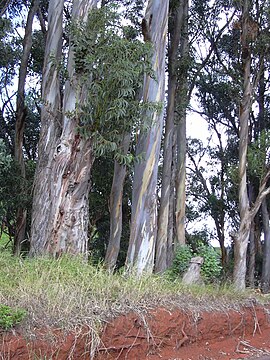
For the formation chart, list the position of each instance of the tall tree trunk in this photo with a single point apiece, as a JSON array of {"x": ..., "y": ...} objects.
[
  {"x": 175, "y": 26},
  {"x": 68, "y": 179},
  {"x": 181, "y": 134},
  {"x": 21, "y": 113},
  {"x": 142, "y": 243},
  {"x": 171, "y": 222},
  {"x": 252, "y": 257},
  {"x": 265, "y": 283},
  {"x": 241, "y": 240},
  {"x": 116, "y": 209},
  {"x": 51, "y": 124},
  {"x": 252, "y": 247}
]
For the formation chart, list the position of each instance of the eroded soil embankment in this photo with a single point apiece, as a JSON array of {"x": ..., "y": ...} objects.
[{"x": 160, "y": 334}]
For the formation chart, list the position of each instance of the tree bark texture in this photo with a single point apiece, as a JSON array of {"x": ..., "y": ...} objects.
[
  {"x": 182, "y": 90},
  {"x": 51, "y": 124},
  {"x": 241, "y": 240},
  {"x": 21, "y": 113},
  {"x": 175, "y": 26},
  {"x": 171, "y": 222},
  {"x": 68, "y": 165},
  {"x": 116, "y": 197},
  {"x": 142, "y": 243}
]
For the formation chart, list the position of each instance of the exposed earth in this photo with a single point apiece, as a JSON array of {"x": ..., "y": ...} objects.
[{"x": 158, "y": 334}]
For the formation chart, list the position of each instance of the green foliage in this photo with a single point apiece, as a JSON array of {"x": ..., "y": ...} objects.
[
  {"x": 37, "y": 52},
  {"x": 258, "y": 155},
  {"x": 111, "y": 65},
  {"x": 15, "y": 191},
  {"x": 10, "y": 317},
  {"x": 211, "y": 268},
  {"x": 181, "y": 260}
]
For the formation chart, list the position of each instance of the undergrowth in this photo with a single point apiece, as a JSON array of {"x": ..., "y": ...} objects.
[{"x": 69, "y": 292}]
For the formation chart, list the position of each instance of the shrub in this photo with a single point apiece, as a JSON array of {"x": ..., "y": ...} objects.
[
  {"x": 181, "y": 261},
  {"x": 211, "y": 268},
  {"x": 10, "y": 317}
]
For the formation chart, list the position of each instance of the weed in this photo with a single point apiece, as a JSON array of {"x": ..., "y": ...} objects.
[{"x": 10, "y": 317}]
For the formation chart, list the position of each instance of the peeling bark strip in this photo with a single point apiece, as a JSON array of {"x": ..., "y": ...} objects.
[
  {"x": 116, "y": 208},
  {"x": 241, "y": 240},
  {"x": 50, "y": 130},
  {"x": 65, "y": 168},
  {"x": 144, "y": 199}
]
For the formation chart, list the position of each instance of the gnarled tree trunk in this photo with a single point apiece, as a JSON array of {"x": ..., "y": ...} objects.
[
  {"x": 241, "y": 240},
  {"x": 66, "y": 168},
  {"x": 142, "y": 243}
]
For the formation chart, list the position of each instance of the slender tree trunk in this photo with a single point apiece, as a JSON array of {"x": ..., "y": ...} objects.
[
  {"x": 265, "y": 283},
  {"x": 175, "y": 26},
  {"x": 171, "y": 222},
  {"x": 181, "y": 135},
  {"x": 116, "y": 197},
  {"x": 241, "y": 240},
  {"x": 252, "y": 248},
  {"x": 252, "y": 257},
  {"x": 142, "y": 243},
  {"x": 21, "y": 113},
  {"x": 68, "y": 176},
  {"x": 51, "y": 124}
]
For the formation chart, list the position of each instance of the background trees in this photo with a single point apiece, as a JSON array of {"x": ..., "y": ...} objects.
[{"x": 109, "y": 171}]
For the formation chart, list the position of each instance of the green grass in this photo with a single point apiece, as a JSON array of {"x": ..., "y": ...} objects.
[
  {"x": 5, "y": 243},
  {"x": 69, "y": 292}
]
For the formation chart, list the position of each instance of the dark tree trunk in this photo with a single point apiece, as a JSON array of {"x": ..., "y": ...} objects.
[
  {"x": 171, "y": 223},
  {"x": 116, "y": 209},
  {"x": 21, "y": 112},
  {"x": 265, "y": 282}
]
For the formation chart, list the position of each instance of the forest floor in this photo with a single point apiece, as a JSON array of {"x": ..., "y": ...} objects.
[{"x": 157, "y": 334}]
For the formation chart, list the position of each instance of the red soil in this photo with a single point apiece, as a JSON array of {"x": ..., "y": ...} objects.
[{"x": 160, "y": 334}]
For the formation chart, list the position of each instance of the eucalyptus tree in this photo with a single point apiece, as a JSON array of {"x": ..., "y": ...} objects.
[
  {"x": 98, "y": 100},
  {"x": 249, "y": 35},
  {"x": 65, "y": 158},
  {"x": 177, "y": 32},
  {"x": 21, "y": 111},
  {"x": 143, "y": 230},
  {"x": 132, "y": 13}
]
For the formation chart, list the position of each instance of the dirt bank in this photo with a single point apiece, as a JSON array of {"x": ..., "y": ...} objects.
[{"x": 159, "y": 334}]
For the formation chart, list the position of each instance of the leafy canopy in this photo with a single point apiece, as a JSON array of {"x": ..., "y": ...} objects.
[{"x": 110, "y": 62}]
